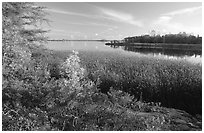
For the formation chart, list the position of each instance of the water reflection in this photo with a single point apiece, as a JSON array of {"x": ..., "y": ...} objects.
[
  {"x": 164, "y": 51},
  {"x": 192, "y": 56}
]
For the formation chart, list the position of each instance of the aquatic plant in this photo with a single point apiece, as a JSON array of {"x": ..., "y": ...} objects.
[{"x": 174, "y": 83}]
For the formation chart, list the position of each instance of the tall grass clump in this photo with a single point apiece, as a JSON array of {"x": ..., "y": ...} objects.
[{"x": 174, "y": 83}]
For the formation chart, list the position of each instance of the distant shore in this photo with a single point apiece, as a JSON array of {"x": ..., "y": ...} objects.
[
  {"x": 160, "y": 45},
  {"x": 77, "y": 40}
]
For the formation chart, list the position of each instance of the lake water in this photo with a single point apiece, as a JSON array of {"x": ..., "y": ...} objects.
[{"x": 191, "y": 56}]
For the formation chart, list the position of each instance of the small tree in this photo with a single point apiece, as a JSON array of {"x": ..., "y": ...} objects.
[{"x": 20, "y": 34}]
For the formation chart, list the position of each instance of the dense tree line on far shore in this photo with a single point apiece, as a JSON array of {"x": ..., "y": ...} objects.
[{"x": 180, "y": 38}]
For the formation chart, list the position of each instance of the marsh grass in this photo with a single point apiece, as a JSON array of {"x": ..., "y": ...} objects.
[{"x": 174, "y": 83}]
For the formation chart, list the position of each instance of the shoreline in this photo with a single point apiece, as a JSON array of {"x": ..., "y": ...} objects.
[{"x": 160, "y": 45}]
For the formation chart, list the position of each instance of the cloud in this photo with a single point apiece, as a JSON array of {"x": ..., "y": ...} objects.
[
  {"x": 164, "y": 25},
  {"x": 183, "y": 11},
  {"x": 121, "y": 17},
  {"x": 162, "y": 19},
  {"x": 167, "y": 22},
  {"x": 82, "y": 15},
  {"x": 70, "y": 13},
  {"x": 92, "y": 24},
  {"x": 109, "y": 15},
  {"x": 100, "y": 24},
  {"x": 76, "y": 14}
]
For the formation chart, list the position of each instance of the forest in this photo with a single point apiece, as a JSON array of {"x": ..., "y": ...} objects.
[{"x": 180, "y": 38}]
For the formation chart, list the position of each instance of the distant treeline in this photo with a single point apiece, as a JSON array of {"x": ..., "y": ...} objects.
[
  {"x": 181, "y": 38},
  {"x": 102, "y": 40}
]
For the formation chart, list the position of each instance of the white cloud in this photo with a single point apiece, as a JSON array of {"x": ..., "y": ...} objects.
[
  {"x": 92, "y": 24},
  {"x": 70, "y": 13},
  {"x": 164, "y": 19},
  {"x": 167, "y": 23},
  {"x": 164, "y": 25},
  {"x": 109, "y": 14},
  {"x": 100, "y": 24},
  {"x": 120, "y": 16},
  {"x": 77, "y": 14},
  {"x": 183, "y": 11}
]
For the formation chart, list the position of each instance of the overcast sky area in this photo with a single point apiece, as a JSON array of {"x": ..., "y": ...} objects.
[{"x": 107, "y": 20}]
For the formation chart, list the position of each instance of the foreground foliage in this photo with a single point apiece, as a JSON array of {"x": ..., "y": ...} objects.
[{"x": 73, "y": 102}]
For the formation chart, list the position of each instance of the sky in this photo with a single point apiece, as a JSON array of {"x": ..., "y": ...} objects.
[{"x": 117, "y": 20}]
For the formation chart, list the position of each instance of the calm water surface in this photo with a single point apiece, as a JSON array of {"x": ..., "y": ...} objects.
[{"x": 167, "y": 54}]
